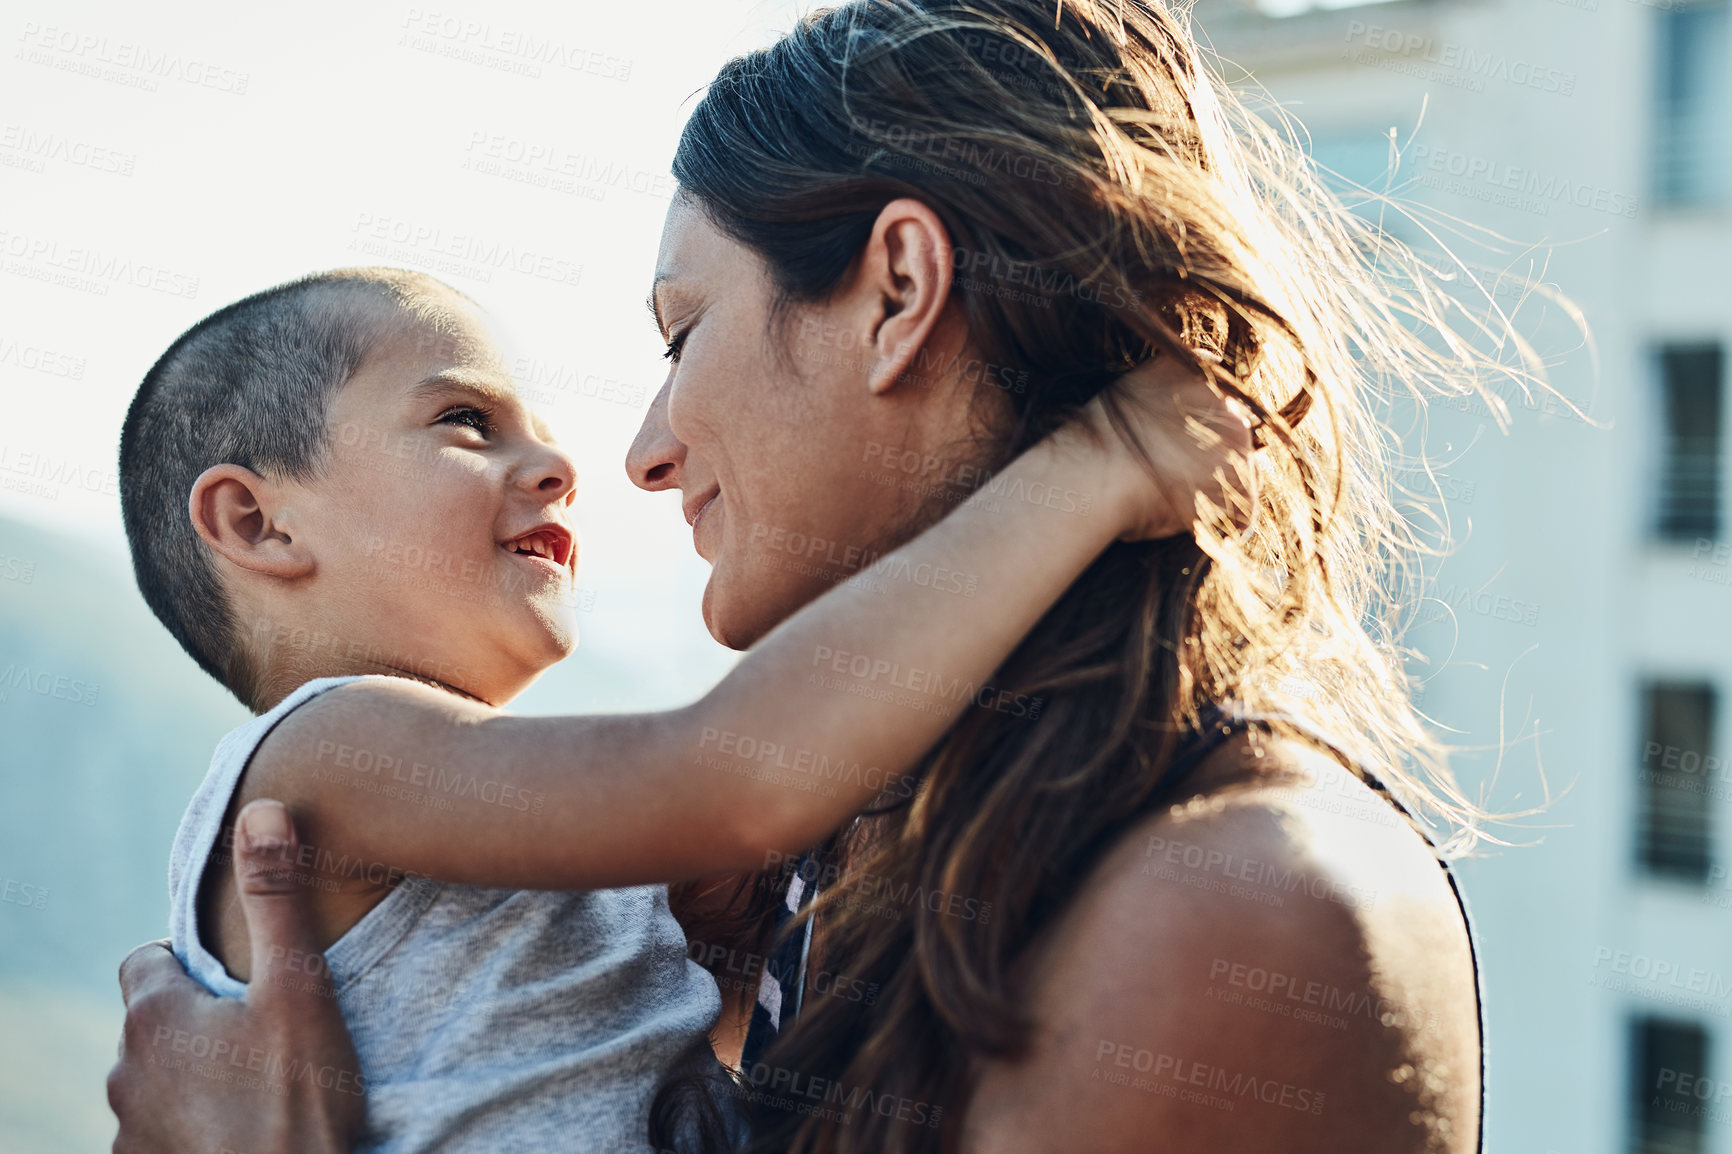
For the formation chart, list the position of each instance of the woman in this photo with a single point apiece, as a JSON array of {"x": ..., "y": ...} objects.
[{"x": 912, "y": 237}]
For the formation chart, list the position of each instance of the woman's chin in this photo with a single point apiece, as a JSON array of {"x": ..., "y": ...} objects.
[{"x": 734, "y": 621}]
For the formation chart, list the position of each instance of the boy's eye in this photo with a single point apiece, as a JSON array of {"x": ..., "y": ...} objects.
[
  {"x": 478, "y": 419},
  {"x": 674, "y": 347}
]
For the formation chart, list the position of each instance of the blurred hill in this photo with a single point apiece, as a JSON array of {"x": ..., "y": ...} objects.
[
  {"x": 94, "y": 780},
  {"x": 92, "y": 784}
]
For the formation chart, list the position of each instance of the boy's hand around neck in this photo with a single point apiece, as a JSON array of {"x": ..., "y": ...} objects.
[{"x": 1167, "y": 437}]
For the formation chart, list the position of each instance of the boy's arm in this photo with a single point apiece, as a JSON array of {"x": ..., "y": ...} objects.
[{"x": 823, "y": 715}]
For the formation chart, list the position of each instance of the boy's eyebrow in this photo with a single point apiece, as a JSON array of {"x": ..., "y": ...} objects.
[{"x": 445, "y": 383}]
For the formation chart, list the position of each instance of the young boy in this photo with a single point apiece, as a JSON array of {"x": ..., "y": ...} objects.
[{"x": 339, "y": 506}]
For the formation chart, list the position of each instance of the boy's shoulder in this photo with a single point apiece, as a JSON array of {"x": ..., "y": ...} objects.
[
  {"x": 290, "y": 753},
  {"x": 200, "y": 861},
  {"x": 256, "y": 730},
  {"x": 331, "y": 724}
]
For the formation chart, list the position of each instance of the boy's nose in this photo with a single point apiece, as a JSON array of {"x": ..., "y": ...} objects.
[{"x": 553, "y": 476}]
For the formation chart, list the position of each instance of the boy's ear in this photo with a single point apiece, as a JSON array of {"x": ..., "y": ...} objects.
[
  {"x": 233, "y": 512},
  {"x": 907, "y": 266}
]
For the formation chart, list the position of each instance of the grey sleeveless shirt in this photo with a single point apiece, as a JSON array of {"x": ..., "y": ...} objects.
[{"x": 485, "y": 1019}]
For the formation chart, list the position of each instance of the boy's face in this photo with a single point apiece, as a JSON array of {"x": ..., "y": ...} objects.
[{"x": 440, "y": 523}]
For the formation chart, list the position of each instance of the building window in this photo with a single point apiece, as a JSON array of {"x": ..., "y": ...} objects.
[
  {"x": 1674, "y": 836},
  {"x": 1691, "y": 138},
  {"x": 1668, "y": 1060},
  {"x": 1690, "y": 379}
]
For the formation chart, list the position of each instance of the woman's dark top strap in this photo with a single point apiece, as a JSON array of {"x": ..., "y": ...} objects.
[
  {"x": 782, "y": 986},
  {"x": 1218, "y": 724}
]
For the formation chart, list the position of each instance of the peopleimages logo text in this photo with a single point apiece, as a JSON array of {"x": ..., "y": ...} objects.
[{"x": 1475, "y": 64}]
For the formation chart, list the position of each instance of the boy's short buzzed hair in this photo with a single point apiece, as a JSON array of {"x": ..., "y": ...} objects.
[{"x": 249, "y": 385}]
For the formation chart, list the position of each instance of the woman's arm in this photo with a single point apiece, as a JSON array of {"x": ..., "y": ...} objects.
[{"x": 825, "y": 714}]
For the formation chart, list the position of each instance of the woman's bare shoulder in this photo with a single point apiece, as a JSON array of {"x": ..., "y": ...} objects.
[{"x": 1279, "y": 963}]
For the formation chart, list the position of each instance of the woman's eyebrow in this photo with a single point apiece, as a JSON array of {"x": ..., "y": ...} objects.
[
  {"x": 653, "y": 303},
  {"x": 666, "y": 286}
]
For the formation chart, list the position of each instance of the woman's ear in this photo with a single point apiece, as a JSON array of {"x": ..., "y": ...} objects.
[
  {"x": 907, "y": 264},
  {"x": 233, "y": 511}
]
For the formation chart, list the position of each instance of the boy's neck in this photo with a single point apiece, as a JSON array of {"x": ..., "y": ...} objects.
[{"x": 279, "y": 677}]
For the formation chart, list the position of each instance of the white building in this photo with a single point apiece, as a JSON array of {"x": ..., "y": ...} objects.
[{"x": 1592, "y": 588}]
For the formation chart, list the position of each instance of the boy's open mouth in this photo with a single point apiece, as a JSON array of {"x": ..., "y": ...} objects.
[{"x": 549, "y": 542}]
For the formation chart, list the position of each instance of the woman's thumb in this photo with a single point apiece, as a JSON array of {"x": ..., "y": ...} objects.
[{"x": 271, "y": 880}]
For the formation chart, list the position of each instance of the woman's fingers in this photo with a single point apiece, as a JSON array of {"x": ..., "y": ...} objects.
[
  {"x": 273, "y": 1073},
  {"x": 150, "y": 978},
  {"x": 151, "y": 967},
  {"x": 167, "y": 1016}
]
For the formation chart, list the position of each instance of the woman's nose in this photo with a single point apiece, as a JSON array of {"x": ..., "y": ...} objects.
[{"x": 654, "y": 459}]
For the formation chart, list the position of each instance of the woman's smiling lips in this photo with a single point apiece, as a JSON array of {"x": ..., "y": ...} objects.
[
  {"x": 695, "y": 510},
  {"x": 694, "y": 506}
]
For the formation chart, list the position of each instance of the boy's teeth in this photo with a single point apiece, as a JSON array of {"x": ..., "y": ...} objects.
[{"x": 537, "y": 546}]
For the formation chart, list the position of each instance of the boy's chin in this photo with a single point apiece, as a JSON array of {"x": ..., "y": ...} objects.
[
  {"x": 533, "y": 653},
  {"x": 555, "y": 629}
]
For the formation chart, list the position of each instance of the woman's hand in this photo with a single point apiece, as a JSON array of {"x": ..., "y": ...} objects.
[
  {"x": 1196, "y": 442},
  {"x": 273, "y": 1073}
]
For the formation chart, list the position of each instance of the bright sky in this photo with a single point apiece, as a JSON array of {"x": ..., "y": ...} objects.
[{"x": 154, "y": 168}]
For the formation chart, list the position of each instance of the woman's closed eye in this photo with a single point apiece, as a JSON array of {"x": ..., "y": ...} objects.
[
  {"x": 675, "y": 345},
  {"x": 479, "y": 419}
]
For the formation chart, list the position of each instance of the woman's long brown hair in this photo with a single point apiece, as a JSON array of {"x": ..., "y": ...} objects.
[{"x": 1108, "y": 199}]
